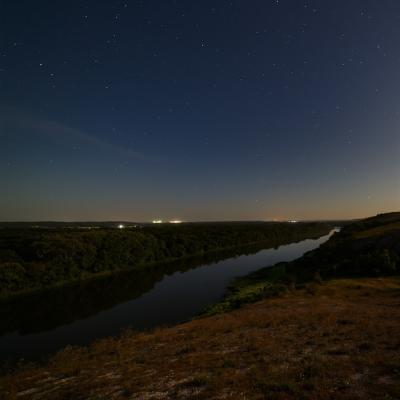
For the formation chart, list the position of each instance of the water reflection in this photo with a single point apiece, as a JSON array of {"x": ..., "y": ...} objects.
[
  {"x": 48, "y": 309},
  {"x": 163, "y": 294}
]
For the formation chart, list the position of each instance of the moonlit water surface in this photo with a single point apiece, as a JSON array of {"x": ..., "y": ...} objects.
[{"x": 43, "y": 325}]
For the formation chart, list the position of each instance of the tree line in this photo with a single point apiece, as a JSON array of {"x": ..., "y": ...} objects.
[{"x": 36, "y": 258}]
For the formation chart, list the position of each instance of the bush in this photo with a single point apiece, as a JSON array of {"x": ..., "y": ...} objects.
[{"x": 12, "y": 275}]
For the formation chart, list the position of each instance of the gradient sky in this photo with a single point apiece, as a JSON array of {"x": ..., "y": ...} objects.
[{"x": 199, "y": 110}]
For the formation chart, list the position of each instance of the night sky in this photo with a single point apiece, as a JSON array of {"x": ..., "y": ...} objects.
[{"x": 199, "y": 110}]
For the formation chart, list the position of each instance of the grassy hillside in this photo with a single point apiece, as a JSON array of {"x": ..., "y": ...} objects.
[
  {"x": 370, "y": 247},
  {"x": 340, "y": 342},
  {"x": 366, "y": 248}
]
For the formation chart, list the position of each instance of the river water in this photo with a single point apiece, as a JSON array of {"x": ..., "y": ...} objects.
[{"x": 45, "y": 322}]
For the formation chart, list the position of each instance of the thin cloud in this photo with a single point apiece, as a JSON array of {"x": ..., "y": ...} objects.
[{"x": 55, "y": 130}]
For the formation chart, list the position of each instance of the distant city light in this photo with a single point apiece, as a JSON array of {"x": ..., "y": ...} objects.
[
  {"x": 157, "y": 221},
  {"x": 293, "y": 221},
  {"x": 175, "y": 222},
  {"x": 120, "y": 226}
]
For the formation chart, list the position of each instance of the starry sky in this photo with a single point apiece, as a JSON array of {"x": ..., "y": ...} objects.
[{"x": 199, "y": 110}]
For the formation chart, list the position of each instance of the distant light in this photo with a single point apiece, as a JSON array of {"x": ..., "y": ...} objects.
[
  {"x": 157, "y": 221},
  {"x": 120, "y": 226},
  {"x": 293, "y": 221},
  {"x": 175, "y": 222}
]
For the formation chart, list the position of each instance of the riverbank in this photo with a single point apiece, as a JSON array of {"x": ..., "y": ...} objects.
[
  {"x": 336, "y": 341},
  {"x": 32, "y": 260},
  {"x": 366, "y": 248}
]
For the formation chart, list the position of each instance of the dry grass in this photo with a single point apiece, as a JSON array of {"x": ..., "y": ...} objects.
[
  {"x": 378, "y": 231},
  {"x": 336, "y": 341}
]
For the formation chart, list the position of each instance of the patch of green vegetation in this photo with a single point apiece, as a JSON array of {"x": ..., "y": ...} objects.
[
  {"x": 237, "y": 296},
  {"x": 265, "y": 283}
]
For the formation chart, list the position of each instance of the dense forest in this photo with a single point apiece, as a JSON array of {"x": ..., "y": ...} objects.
[{"x": 37, "y": 258}]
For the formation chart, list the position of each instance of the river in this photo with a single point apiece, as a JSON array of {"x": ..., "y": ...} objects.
[{"x": 39, "y": 324}]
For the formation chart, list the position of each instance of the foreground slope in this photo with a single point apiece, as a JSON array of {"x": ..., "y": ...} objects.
[{"x": 333, "y": 341}]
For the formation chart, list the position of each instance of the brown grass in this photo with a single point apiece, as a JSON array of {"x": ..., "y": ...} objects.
[
  {"x": 338, "y": 340},
  {"x": 378, "y": 231}
]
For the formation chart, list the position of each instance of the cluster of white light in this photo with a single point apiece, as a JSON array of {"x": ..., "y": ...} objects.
[
  {"x": 293, "y": 221},
  {"x": 120, "y": 226},
  {"x": 160, "y": 221}
]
